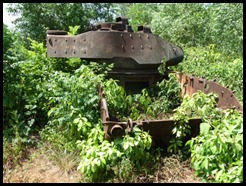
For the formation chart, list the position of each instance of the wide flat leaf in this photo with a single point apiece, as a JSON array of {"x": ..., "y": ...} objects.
[{"x": 204, "y": 128}]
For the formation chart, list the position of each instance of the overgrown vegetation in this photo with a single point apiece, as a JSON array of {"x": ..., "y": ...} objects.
[
  {"x": 57, "y": 99},
  {"x": 217, "y": 153}
]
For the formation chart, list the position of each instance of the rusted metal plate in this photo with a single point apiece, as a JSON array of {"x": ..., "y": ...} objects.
[
  {"x": 116, "y": 43},
  {"x": 116, "y": 47},
  {"x": 161, "y": 130},
  {"x": 191, "y": 84}
]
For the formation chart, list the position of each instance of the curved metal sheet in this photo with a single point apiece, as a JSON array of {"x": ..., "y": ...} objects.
[{"x": 191, "y": 84}]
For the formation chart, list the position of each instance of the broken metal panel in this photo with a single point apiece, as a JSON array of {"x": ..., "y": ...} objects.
[
  {"x": 227, "y": 98},
  {"x": 191, "y": 84}
]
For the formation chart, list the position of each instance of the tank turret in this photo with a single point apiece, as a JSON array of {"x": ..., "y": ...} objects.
[{"x": 136, "y": 55}]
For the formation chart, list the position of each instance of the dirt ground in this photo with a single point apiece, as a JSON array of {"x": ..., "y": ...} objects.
[{"x": 39, "y": 169}]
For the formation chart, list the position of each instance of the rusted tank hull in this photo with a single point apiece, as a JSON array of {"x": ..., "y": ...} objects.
[
  {"x": 136, "y": 57},
  {"x": 160, "y": 130}
]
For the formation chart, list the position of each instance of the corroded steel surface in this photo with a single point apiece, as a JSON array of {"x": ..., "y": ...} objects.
[
  {"x": 136, "y": 55},
  {"x": 191, "y": 84},
  {"x": 116, "y": 43},
  {"x": 160, "y": 130},
  {"x": 103, "y": 107}
]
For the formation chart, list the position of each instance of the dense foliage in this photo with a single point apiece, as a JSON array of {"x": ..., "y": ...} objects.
[
  {"x": 217, "y": 153},
  {"x": 58, "y": 98},
  {"x": 195, "y": 24},
  {"x": 40, "y": 17}
]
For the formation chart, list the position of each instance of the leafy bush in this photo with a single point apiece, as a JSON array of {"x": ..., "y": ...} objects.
[
  {"x": 217, "y": 153},
  {"x": 169, "y": 96},
  {"x": 99, "y": 157}
]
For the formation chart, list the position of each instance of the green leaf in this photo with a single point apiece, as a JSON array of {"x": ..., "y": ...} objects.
[
  {"x": 80, "y": 126},
  {"x": 97, "y": 162},
  {"x": 126, "y": 145},
  {"x": 76, "y": 120},
  {"x": 206, "y": 163},
  {"x": 204, "y": 128},
  {"x": 169, "y": 149},
  {"x": 93, "y": 167},
  {"x": 218, "y": 175},
  {"x": 103, "y": 160},
  {"x": 110, "y": 151},
  {"x": 214, "y": 149},
  {"x": 238, "y": 147},
  {"x": 50, "y": 111}
]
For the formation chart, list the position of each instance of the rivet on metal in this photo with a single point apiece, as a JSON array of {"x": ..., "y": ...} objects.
[
  {"x": 121, "y": 35},
  {"x": 74, "y": 52},
  {"x": 141, "y": 46},
  {"x": 84, "y": 51},
  {"x": 150, "y": 47},
  {"x": 65, "y": 52},
  {"x": 66, "y": 40},
  {"x": 201, "y": 80},
  {"x": 54, "y": 51},
  {"x": 139, "y": 35},
  {"x": 131, "y": 35},
  {"x": 122, "y": 46},
  {"x": 147, "y": 36},
  {"x": 132, "y": 46},
  {"x": 222, "y": 92}
]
